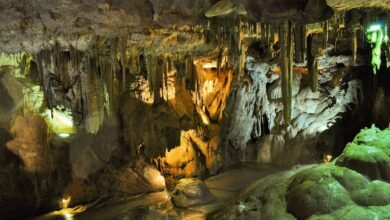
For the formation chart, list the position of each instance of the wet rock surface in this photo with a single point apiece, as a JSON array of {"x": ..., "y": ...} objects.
[{"x": 189, "y": 192}]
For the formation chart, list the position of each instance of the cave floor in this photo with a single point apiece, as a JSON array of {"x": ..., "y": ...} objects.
[{"x": 224, "y": 186}]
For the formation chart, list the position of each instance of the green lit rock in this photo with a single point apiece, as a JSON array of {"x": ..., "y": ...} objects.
[
  {"x": 321, "y": 190},
  {"x": 375, "y": 137},
  {"x": 60, "y": 121},
  {"x": 377, "y": 36},
  {"x": 376, "y": 194},
  {"x": 367, "y": 160},
  {"x": 19, "y": 63},
  {"x": 341, "y": 190},
  {"x": 33, "y": 98},
  {"x": 9, "y": 60},
  {"x": 355, "y": 212},
  {"x": 369, "y": 154}
]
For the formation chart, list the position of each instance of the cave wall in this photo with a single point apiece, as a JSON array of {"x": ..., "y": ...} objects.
[{"x": 256, "y": 130}]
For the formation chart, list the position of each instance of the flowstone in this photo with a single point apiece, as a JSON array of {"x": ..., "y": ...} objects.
[
  {"x": 351, "y": 187},
  {"x": 369, "y": 154}
]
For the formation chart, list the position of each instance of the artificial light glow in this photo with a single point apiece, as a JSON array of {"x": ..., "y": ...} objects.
[
  {"x": 68, "y": 213},
  {"x": 63, "y": 135},
  {"x": 65, "y": 202},
  {"x": 327, "y": 158},
  {"x": 374, "y": 27},
  {"x": 68, "y": 216},
  {"x": 210, "y": 65},
  {"x": 60, "y": 121}
]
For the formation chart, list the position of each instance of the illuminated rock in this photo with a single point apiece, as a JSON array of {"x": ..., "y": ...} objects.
[
  {"x": 325, "y": 191},
  {"x": 377, "y": 36},
  {"x": 317, "y": 192},
  {"x": 60, "y": 121},
  {"x": 189, "y": 192},
  {"x": 30, "y": 143},
  {"x": 369, "y": 154}
]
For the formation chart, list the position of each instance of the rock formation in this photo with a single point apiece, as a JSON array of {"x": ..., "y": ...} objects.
[{"x": 111, "y": 98}]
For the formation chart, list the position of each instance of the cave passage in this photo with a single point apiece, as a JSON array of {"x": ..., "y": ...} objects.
[{"x": 195, "y": 109}]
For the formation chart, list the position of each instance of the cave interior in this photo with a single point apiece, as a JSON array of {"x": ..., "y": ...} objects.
[{"x": 195, "y": 109}]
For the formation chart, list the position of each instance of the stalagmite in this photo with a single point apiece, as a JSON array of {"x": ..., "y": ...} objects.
[
  {"x": 286, "y": 43},
  {"x": 312, "y": 63}
]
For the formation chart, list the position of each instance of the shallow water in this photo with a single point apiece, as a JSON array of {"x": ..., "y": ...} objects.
[{"x": 223, "y": 186}]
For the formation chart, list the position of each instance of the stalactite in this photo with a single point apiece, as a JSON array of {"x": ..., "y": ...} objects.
[
  {"x": 266, "y": 34},
  {"x": 123, "y": 59},
  {"x": 165, "y": 75},
  {"x": 269, "y": 43},
  {"x": 312, "y": 63},
  {"x": 134, "y": 63},
  {"x": 263, "y": 34},
  {"x": 304, "y": 42},
  {"x": 155, "y": 77},
  {"x": 242, "y": 61},
  {"x": 114, "y": 87},
  {"x": 354, "y": 45},
  {"x": 298, "y": 44},
  {"x": 270, "y": 35},
  {"x": 290, "y": 52},
  {"x": 55, "y": 56},
  {"x": 190, "y": 74},
  {"x": 219, "y": 61},
  {"x": 242, "y": 53},
  {"x": 326, "y": 33},
  {"x": 286, "y": 53},
  {"x": 149, "y": 73},
  {"x": 38, "y": 60},
  {"x": 377, "y": 35},
  {"x": 273, "y": 35}
]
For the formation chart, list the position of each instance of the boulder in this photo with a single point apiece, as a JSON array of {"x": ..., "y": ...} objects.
[
  {"x": 367, "y": 160},
  {"x": 375, "y": 194},
  {"x": 317, "y": 191},
  {"x": 189, "y": 192},
  {"x": 369, "y": 153},
  {"x": 30, "y": 143}
]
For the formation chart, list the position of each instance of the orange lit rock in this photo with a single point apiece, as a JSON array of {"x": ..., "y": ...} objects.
[{"x": 30, "y": 143}]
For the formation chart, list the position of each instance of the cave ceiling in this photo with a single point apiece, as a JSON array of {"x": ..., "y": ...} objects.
[{"x": 33, "y": 25}]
